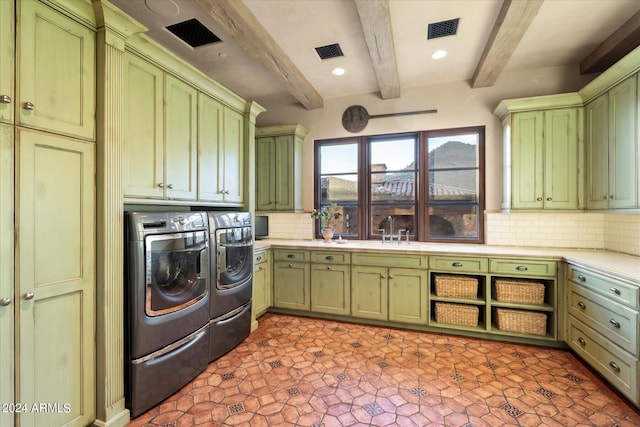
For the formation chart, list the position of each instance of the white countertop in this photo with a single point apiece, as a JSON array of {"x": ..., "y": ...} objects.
[{"x": 619, "y": 265}]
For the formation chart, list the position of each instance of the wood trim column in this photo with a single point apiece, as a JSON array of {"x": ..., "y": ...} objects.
[{"x": 114, "y": 28}]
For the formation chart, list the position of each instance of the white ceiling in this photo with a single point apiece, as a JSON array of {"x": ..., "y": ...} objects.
[{"x": 563, "y": 32}]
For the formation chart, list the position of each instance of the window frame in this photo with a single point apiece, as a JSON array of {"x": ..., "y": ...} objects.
[{"x": 421, "y": 217}]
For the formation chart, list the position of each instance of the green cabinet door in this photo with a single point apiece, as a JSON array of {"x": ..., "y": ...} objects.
[
  {"x": 623, "y": 145},
  {"x": 57, "y": 278},
  {"x": 7, "y": 297},
  {"x": 284, "y": 173},
  {"x": 369, "y": 292},
  {"x": 291, "y": 284},
  {"x": 231, "y": 173},
  {"x": 562, "y": 156},
  {"x": 527, "y": 160},
  {"x": 331, "y": 289},
  {"x": 597, "y": 157},
  {"x": 261, "y": 299},
  {"x": 408, "y": 291},
  {"x": 7, "y": 53},
  {"x": 181, "y": 146},
  {"x": 210, "y": 127},
  {"x": 56, "y": 77},
  {"x": 143, "y": 148},
  {"x": 265, "y": 173}
]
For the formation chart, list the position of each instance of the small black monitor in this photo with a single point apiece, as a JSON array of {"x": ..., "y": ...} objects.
[{"x": 261, "y": 227}]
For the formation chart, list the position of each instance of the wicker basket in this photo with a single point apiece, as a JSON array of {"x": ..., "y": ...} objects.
[
  {"x": 519, "y": 291},
  {"x": 456, "y": 286},
  {"x": 457, "y": 314},
  {"x": 526, "y": 322}
]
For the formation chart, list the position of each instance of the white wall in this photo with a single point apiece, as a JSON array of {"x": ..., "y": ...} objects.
[{"x": 458, "y": 106}]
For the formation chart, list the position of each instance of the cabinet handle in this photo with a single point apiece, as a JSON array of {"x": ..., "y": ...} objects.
[
  {"x": 382, "y": 276},
  {"x": 581, "y": 305},
  {"x": 291, "y": 256},
  {"x": 5, "y": 302},
  {"x": 549, "y": 199},
  {"x": 456, "y": 264},
  {"x": 161, "y": 185},
  {"x": 329, "y": 268},
  {"x": 289, "y": 265},
  {"x": 5, "y": 99},
  {"x": 170, "y": 186},
  {"x": 615, "y": 323},
  {"x": 28, "y": 296},
  {"x": 582, "y": 278},
  {"x": 611, "y": 196},
  {"x": 615, "y": 290},
  {"x": 391, "y": 276},
  {"x": 538, "y": 199},
  {"x": 259, "y": 258},
  {"x": 329, "y": 258},
  {"x": 259, "y": 267},
  {"x": 582, "y": 341},
  {"x": 521, "y": 268},
  {"x": 29, "y": 106},
  {"x": 614, "y": 366},
  {"x": 605, "y": 197}
]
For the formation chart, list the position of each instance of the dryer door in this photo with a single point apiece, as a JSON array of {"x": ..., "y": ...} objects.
[
  {"x": 176, "y": 267},
  {"x": 235, "y": 256}
]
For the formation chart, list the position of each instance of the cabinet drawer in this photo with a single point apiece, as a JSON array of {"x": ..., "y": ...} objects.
[
  {"x": 326, "y": 257},
  {"x": 615, "y": 290},
  {"x": 523, "y": 267},
  {"x": 615, "y": 321},
  {"x": 457, "y": 264},
  {"x": 285, "y": 255},
  {"x": 616, "y": 365},
  {"x": 389, "y": 260},
  {"x": 260, "y": 257}
]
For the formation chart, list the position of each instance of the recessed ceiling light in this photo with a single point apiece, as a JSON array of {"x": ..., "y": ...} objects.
[
  {"x": 338, "y": 71},
  {"x": 439, "y": 54}
]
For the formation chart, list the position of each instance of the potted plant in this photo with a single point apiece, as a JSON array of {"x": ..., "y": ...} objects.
[{"x": 326, "y": 214}]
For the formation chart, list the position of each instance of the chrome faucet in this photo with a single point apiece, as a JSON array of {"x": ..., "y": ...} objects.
[{"x": 390, "y": 219}]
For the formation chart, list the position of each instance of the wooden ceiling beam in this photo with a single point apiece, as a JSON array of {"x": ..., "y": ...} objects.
[
  {"x": 376, "y": 26},
  {"x": 512, "y": 23},
  {"x": 238, "y": 21},
  {"x": 622, "y": 41}
]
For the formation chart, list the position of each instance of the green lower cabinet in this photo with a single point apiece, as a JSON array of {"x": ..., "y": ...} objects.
[
  {"x": 369, "y": 292},
  {"x": 408, "y": 297},
  {"x": 331, "y": 289},
  {"x": 291, "y": 285}
]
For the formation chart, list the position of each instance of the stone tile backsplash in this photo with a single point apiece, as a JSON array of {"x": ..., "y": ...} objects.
[{"x": 618, "y": 232}]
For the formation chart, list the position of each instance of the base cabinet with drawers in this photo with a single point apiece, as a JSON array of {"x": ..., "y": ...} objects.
[
  {"x": 331, "y": 282},
  {"x": 291, "y": 281},
  {"x": 603, "y": 326},
  {"x": 261, "y": 298}
]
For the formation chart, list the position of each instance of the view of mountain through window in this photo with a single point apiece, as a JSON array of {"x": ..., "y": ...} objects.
[{"x": 427, "y": 184}]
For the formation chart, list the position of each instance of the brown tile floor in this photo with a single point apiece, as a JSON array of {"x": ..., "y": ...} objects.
[{"x": 295, "y": 371}]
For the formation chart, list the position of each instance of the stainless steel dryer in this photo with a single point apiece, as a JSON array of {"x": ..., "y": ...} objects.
[
  {"x": 232, "y": 279},
  {"x": 166, "y": 313}
]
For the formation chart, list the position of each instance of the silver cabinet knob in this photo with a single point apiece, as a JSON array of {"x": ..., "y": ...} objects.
[
  {"x": 549, "y": 199},
  {"x": 170, "y": 186},
  {"x": 582, "y": 305},
  {"x": 382, "y": 276},
  {"x": 615, "y": 291},
  {"x": 5, "y": 99},
  {"x": 615, "y": 323},
  {"x": 521, "y": 268},
  {"x": 582, "y": 278},
  {"x": 614, "y": 366},
  {"x": 538, "y": 199},
  {"x": 28, "y": 296},
  {"x": 161, "y": 185},
  {"x": 329, "y": 268},
  {"x": 5, "y": 302},
  {"x": 456, "y": 264},
  {"x": 582, "y": 341},
  {"x": 28, "y": 106}
]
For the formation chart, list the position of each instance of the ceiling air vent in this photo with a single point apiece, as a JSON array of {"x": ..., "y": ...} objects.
[
  {"x": 442, "y": 29},
  {"x": 193, "y": 33},
  {"x": 329, "y": 51}
]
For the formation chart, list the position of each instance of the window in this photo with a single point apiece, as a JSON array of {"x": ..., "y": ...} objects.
[{"x": 429, "y": 184}]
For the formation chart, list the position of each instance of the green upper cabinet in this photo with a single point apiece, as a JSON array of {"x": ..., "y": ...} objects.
[
  {"x": 612, "y": 148},
  {"x": 231, "y": 172},
  {"x": 7, "y": 53},
  {"x": 210, "y": 128},
  {"x": 143, "y": 149},
  {"x": 543, "y": 152},
  {"x": 55, "y": 78},
  {"x": 180, "y": 119},
  {"x": 279, "y": 168}
]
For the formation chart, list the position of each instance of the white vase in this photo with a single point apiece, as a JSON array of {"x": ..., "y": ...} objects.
[{"x": 327, "y": 233}]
